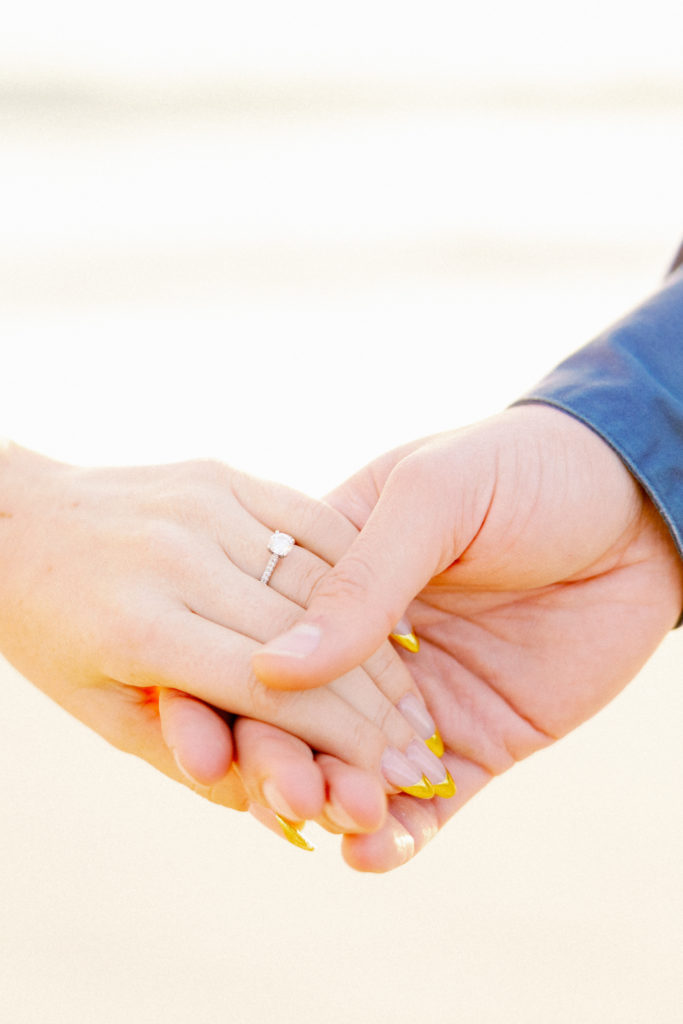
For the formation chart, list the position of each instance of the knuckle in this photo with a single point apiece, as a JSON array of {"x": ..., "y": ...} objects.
[
  {"x": 308, "y": 515},
  {"x": 192, "y": 491},
  {"x": 203, "y": 472},
  {"x": 420, "y": 473},
  {"x": 316, "y": 519},
  {"x": 363, "y": 742},
  {"x": 411, "y": 472},
  {"x": 212, "y": 480},
  {"x": 350, "y": 581},
  {"x": 162, "y": 541},
  {"x": 309, "y": 577},
  {"x": 265, "y": 705},
  {"x": 386, "y": 668},
  {"x": 384, "y": 663},
  {"x": 382, "y": 716}
]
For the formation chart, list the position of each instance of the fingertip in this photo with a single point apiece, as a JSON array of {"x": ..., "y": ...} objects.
[
  {"x": 294, "y": 660},
  {"x": 278, "y": 769},
  {"x": 295, "y": 794},
  {"x": 410, "y": 825},
  {"x": 204, "y": 766},
  {"x": 198, "y": 738},
  {"x": 312, "y": 654},
  {"x": 356, "y": 799},
  {"x": 381, "y": 851},
  {"x": 280, "y": 672}
]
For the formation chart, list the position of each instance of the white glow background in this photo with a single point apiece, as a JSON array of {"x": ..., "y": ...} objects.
[{"x": 292, "y": 236}]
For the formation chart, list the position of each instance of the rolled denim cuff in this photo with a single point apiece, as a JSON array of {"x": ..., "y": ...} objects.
[{"x": 627, "y": 386}]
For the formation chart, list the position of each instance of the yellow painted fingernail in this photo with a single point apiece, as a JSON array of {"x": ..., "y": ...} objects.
[
  {"x": 447, "y": 788},
  {"x": 403, "y": 634},
  {"x": 435, "y": 743},
  {"x": 425, "y": 790},
  {"x": 292, "y": 834},
  {"x": 400, "y": 772},
  {"x": 407, "y": 640}
]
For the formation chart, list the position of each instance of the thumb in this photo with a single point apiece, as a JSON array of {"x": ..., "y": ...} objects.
[{"x": 360, "y": 601}]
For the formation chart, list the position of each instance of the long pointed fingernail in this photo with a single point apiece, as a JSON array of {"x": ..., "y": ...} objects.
[
  {"x": 434, "y": 770},
  {"x": 415, "y": 713},
  {"x": 298, "y": 642},
  {"x": 284, "y": 816},
  {"x": 277, "y": 802},
  {"x": 402, "y": 634},
  {"x": 400, "y": 772},
  {"x": 447, "y": 788},
  {"x": 280, "y": 825},
  {"x": 435, "y": 743},
  {"x": 292, "y": 834},
  {"x": 183, "y": 770},
  {"x": 339, "y": 817},
  {"x": 425, "y": 790},
  {"x": 421, "y": 756}
]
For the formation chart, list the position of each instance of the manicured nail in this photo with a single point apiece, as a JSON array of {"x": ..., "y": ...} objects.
[
  {"x": 277, "y": 802},
  {"x": 402, "y": 634},
  {"x": 400, "y": 772},
  {"x": 415, "y": 713},
  {"x": 292, "y": 834},
  {"x": 433, "y": 769},
  {"x": 339, "y": 817},
  {"x": 419, "y": 754},
  {"x": 435, "y": 743},
  {"x": 447, "y": 788},
  {"x": 284, "y": 816},
  {"x": 298, "y": 642},
  {"x": 278, "y": 824},
  {"x": 183, "y": 770}
]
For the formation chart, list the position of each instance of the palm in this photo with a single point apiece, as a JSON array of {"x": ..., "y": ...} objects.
[
  {"x": 505, "y": 673},
  {"x": 558, "y": 583}
]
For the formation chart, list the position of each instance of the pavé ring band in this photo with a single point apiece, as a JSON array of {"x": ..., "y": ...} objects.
[{"x": 279, "y": 545}]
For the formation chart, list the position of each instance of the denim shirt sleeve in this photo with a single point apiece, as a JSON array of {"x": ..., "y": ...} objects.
[{"x": 627, "y": 385}]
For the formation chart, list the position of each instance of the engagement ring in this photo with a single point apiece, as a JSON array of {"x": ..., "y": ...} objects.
[{"x": 280, "y": 545}]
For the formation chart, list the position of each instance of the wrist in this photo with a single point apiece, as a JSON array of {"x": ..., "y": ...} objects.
[{"x": 620, "y": 493}]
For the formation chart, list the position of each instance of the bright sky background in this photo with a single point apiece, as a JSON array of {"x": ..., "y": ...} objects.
[{"x": 293, "y": 236}]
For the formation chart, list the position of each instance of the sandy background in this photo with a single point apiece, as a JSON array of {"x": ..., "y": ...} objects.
[{"x": 186, "y": 193}]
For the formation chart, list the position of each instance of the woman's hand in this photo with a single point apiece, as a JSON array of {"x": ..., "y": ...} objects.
[
  {"x": 278, "y": 778},
  {"x": 536, "y": 573},
  {"x": 133, "y": 598}
]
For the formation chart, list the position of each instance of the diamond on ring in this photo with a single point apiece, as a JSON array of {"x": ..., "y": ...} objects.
[{"x": 279, "y": 545}]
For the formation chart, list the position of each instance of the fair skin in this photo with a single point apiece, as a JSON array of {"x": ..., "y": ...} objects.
[
  {"x": 537, "y": 575},
  {"x": 132, "y": 598}
]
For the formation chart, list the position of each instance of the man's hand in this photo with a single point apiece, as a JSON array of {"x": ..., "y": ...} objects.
[{"x": 536, "y": 573}]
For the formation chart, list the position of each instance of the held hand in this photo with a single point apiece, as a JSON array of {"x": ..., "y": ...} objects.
[
  {"x": 123, "y": 589},
  {"x": 536, "y": 573},
  {"x": 277, "y": 777}
]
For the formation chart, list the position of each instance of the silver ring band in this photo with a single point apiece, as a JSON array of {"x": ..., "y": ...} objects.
[{"x": 279, "y": 545}]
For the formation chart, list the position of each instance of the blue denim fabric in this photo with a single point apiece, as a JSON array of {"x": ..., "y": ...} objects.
[{"x": 627, "y": 385}]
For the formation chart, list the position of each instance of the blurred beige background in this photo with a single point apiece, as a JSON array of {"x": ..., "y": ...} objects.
[{"x": 422, "y": 210}]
